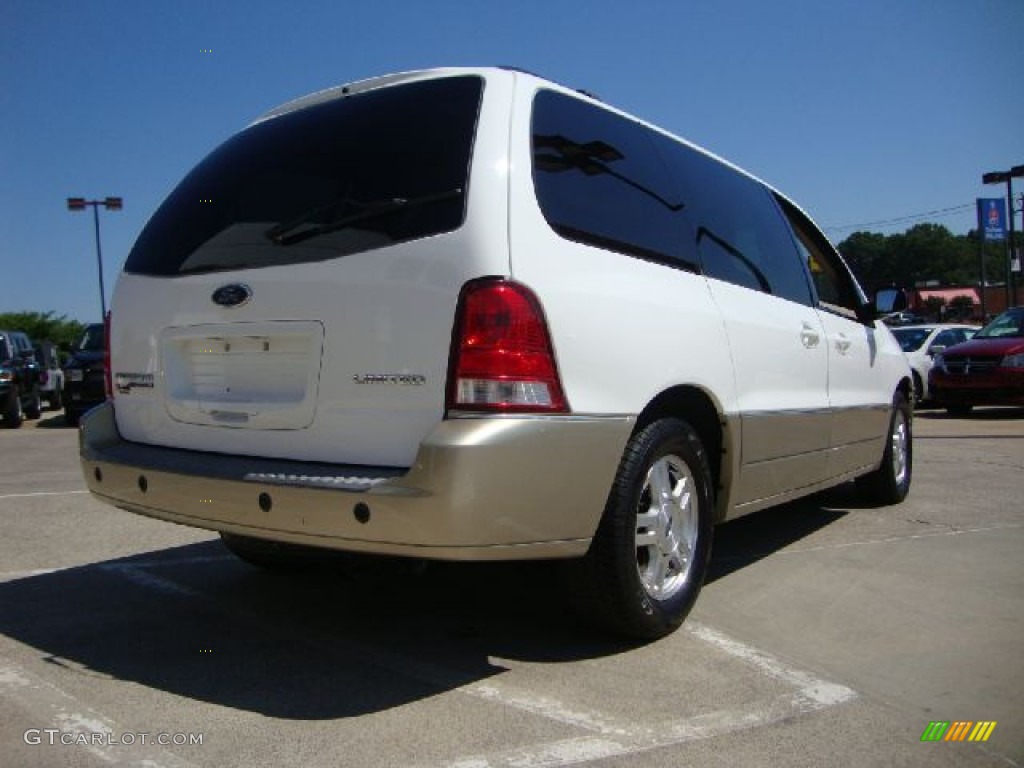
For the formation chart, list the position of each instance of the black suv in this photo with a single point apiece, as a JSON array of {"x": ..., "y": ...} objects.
[
  {"x": 19, "y": 379},
  {"x": 84, "y": 378}
]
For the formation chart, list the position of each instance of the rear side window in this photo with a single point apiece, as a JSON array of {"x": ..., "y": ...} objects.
[
  {"x": 600, "y": 180},
  {"x": 742, "y": 236},
  {"x": 349, "y": 175}
]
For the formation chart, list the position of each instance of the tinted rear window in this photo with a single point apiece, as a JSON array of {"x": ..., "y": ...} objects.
[
  {"x": 741, "y": 233},
  {"x": 92, "y": 340},
  {"x": 345, "y": 176},
  {"x": 606, "y": 180},
  {"x": 600, "y": 180}
]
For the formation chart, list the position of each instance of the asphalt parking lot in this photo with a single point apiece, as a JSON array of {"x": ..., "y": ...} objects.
[{"x": 827, "y": 634}]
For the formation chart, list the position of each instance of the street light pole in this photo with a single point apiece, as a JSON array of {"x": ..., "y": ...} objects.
[
  {"x": 997, "y": 177},
  {"x": 99, "y": 260},
  {"x": 111, "y": 204}
]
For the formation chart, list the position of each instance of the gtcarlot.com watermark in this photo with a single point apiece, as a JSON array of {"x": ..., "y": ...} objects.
[{"x": 53, "y": 736}]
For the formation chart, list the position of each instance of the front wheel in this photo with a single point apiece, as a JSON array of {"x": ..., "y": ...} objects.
[
  {"x": 890, "y": 483},
  {"x": 648, "y": 559},
  {"x": 918, "y": 388}
]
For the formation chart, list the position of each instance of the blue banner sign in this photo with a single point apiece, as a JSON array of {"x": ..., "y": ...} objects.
[{"x": 992, "y": 217}]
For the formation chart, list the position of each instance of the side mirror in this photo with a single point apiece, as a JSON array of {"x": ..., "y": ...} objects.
[
  {"x": 889, "y": 300},
  {"x": 867, "y": 314},
  {"x": 934, "y": 349}
]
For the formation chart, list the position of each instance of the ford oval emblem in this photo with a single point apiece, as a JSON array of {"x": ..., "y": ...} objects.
[{"x": 232, "y": 295}]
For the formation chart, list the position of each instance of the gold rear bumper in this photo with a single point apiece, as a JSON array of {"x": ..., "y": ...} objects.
[{"x": 489, "y": 488}]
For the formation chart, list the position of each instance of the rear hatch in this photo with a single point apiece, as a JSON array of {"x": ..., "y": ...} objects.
[{"x": 294, "y": 296}]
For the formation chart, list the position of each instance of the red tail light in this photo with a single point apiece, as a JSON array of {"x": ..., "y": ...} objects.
[
  {"x": 107, "y": 375},
  {"x": 502, "y": 358}
]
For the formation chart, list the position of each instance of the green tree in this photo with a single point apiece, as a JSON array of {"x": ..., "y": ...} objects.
[
  {"x": 933, "y": 306},
  {"x": 924, "y": 253},
  {"x": 960, "y": 307},
  {"x": 44, "y": 326},
  {"x": 867, "y": 253},
  {"x": 995, "y": 256}
]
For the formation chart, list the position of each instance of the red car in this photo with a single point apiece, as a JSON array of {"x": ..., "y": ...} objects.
[{"x": 987, "y": 370}]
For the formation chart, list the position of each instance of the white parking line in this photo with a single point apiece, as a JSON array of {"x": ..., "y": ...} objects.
[
  {"x": 620, "y": 739},
  {"x": 16, "y": 575},
  {"x": 608, "y": 736},
  {"x": 77, "y": 725},
  {"x": 39, "y": 493},
  {"x": 119, "y": 566},
  {"x": 603, "y": 735},
  {"x": 892, "y": 539},
  {"x": 816, "y": 693}
]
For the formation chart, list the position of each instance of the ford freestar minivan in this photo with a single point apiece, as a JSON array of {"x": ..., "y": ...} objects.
[{"x": 470, "y": 314}]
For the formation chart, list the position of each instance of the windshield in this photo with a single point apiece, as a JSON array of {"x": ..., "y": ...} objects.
[
  {"x": 92, "y": 339},
  {"x": 344, "y": 176},
  {"x": 911, "y": 339},
  {"x": 1008, "y": 324}
]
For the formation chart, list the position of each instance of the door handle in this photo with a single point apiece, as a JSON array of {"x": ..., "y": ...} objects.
[{"x": 808, "y": 336}]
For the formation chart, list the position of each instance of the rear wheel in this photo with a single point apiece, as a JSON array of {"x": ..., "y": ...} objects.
[
  {"x": 648, "y": 559},
  {"x": 34, "y": 410},
  {"x": 268, "y": 554},
  {"x": 358, "y": 567},
  {"x": 13, "y": 415},
  {"x": 890, "y": 483}
]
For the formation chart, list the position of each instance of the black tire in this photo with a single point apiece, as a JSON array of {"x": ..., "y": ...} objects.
[
  {"x": 13, "y": 414},
  {"x": 959, "y": 410},
  {"x": 53, "y": 400},
  {"x": 71, "y": 417},
  {"x": 34, "y": 410},
  {"x": 272, "y": 555},
  {"x": 918, "y": 389},
  {"x": 374, "y": 570},
  {"x": 890, "y": 483},
  {"x": 607, "y": 585}
]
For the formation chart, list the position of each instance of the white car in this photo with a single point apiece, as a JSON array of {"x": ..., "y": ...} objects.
[
  {"x": 470, "y": 314},
  {"x": 921, "y": 343},
  {"x": 51, "y": 381}
]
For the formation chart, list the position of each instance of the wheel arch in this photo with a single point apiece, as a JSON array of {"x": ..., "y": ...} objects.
[
  {"x": 906, "y": 386},
  {"x": 918, "y": 384},
  {"x": 699, "y": 409}
]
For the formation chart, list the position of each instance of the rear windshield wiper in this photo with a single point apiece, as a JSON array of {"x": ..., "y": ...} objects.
[{"x": 285, "y": 234}]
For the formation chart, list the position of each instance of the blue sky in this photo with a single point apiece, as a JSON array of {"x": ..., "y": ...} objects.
[{"x": 863, "y": 111}]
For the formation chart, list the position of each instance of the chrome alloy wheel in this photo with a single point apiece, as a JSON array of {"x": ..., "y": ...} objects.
[
  {"x": 666, "y": 527},
  {"x": 900, "y": 446}
]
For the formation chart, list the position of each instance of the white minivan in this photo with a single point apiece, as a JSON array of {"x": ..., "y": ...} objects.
[{"x": 470, "y": 314}]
